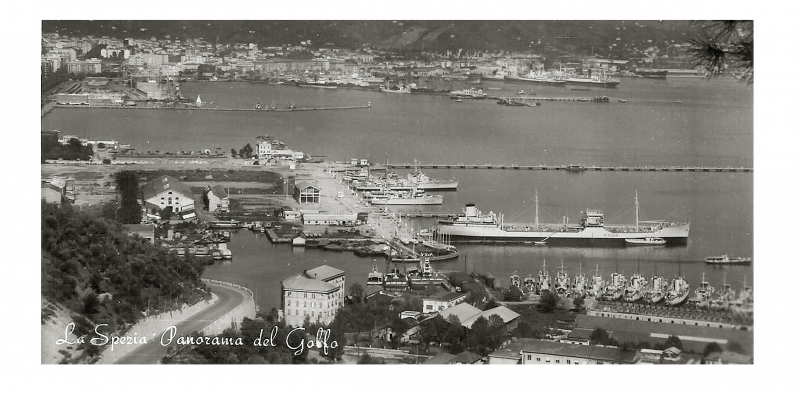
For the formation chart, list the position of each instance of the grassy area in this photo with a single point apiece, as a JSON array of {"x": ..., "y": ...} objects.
[{"x": 217, "y": 175}]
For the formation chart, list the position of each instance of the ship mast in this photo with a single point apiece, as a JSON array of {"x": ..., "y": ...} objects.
[
  {"x": 636, "y": 203},
  {"x": 536, "y": 201}
]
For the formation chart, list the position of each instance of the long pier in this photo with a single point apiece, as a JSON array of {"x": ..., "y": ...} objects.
[
  {"x": 570, "y": 168},
  {"x": 192, "y": 108}
]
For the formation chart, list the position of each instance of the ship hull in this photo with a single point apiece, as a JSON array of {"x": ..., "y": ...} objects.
[
  {"x": 536, "y": 81},
  {"x": 590, "y": 236}
]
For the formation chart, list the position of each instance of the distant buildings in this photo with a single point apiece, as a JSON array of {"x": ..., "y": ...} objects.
[
  {"x": 271, "y": 148},
  {"x": 217, "y": 198},
  {"x": 441, "y": 301},
  {"x": 316, "y": 294}
]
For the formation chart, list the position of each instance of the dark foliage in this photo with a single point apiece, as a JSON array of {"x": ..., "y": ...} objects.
[
  {"x": 83, "y": 257},
  {"x": 548, "y": 302},
  {"x": 724, "y": 46},
  {"x": 129, "y": 209},
  {"x": 52, "y": 149}
]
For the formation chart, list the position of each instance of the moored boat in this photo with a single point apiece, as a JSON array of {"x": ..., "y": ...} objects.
[
  {"x": 725, "y": 259},
  {"x": 580, "y": 284},
  {"x": 647, "y": 241},
  {"x": 678, "y": 292},
  {"x": 562, "y": 286},
  {"x": 615, "y": 288},
  {"x": 544, "y": 279},
  {"x": 375, "y": 277},
  {"x": 635, "y": 289},
  {"x": 474, "y": 226},
  {"x": 703, "y": 293},
  {"x": 596, "y": 289}
]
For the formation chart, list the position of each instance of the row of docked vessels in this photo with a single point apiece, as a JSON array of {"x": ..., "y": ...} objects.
[
  {"x": 635, "y": 289},
  {"x": 474, "y": 226},
  {"x": 561, "y": 77},
  {"x": 416, "y": 180},
  {"x": 413, "y": 197},
  {"x": 420, "y": 276}
]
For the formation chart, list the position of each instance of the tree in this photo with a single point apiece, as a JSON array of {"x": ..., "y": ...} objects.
[
  {"x": 725, "y": 46},
  {"x": 674, "y": 341},
  {"x": 578, "y": 303},
  {"x": 548, "y": 302},
  {"x": 513, "y": 294},
  {"x": 599, "y": 336},
  {"x": 246, "y": 151},
  {"x": 128, "y": 186},
  {"x": 166, "y": 213},
  {"x": 356, "y": 293},
  {"x": 233, "y": 152},
  {"x": 711, "y": 347}
]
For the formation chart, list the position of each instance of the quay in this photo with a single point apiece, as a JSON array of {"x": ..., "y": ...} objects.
[
  {"x": 194, "y": 108},
  {"x": 537, "y": 98},
  {"x": 570, "y": 168}
]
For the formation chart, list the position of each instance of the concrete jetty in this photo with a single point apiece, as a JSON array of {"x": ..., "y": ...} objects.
[
  {"x": 570, "y": 168},
  {"x": 194, "y": 108}
]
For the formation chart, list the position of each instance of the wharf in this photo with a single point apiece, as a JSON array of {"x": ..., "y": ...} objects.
[
  {"x": 193, "y": 108},
  {"x": 537, "y": 98},
  {"x": 569, "y": 168}
]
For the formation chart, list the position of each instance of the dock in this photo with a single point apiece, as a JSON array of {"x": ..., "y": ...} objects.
[
  {"x": 194, "y": 108},
  {"x": 569, "y": 168},
  {"x": 593, "y": 99}
]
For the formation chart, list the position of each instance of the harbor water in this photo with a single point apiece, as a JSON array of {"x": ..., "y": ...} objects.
[{"x": 672, "y": 122}]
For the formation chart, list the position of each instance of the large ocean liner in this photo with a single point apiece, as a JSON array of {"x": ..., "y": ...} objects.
[{"x": 474, "y": 226}]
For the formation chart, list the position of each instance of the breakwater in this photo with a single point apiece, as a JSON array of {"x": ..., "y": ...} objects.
[
  {"x": 195, "y": 108},
  {"x": 570, "y": 168}
]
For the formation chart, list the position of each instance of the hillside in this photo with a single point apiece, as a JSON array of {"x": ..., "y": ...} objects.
[{"x": 568, "y": 37}]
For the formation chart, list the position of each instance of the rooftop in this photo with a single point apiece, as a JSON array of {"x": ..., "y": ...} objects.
[
  {"x": 165, "y": 183},
  {"x": 324, "y": 273},
  {"x": 506, "y": 314},
  {"x": 300, "y": 282},
  {"x": 463, "y": 311}
]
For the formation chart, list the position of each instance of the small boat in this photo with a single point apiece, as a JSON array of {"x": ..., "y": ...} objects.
[
  {"x": 258, "y": 106},
  {"x": 216, "y": 254},
  {"x": 458, "y": 100},
  {"x": 622, "y": 100},
  {"x": 544, "y": 279},
  {"x": 575, "y": 167},
  {"x": 562, "y": 282},
  {"x": 725, "y": 259},
  {"x": 636, "y": 288},
  {"x": 645, "y": 241},
  {"x": 677, "y": 101},
  {"x": 375, "y": 278},
  {"x": 515, "y": 282},
  {"x": 521, "y": 92},
  {"x": 540, "y": 243}
]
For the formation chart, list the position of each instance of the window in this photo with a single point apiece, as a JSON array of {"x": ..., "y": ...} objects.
[
  {"x": 538, "y": 359},
  {"x": 558, "y": 361},
  {"x": 529, "y": 357},
  {"x": 570, "y": 362},
  {"x": 289, "y": 293}
]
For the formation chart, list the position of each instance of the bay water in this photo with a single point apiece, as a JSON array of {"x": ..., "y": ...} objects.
[{"x": 672, "y": 122}]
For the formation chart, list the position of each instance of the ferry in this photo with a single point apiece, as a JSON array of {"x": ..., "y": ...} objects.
[
  {"x": 474, "y": 226},
  {"x": 645, "y": 241},
  {"x": 727, "y": 260}
]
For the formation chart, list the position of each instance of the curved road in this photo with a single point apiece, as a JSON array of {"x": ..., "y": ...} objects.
[{"x": 152, "y": 351}]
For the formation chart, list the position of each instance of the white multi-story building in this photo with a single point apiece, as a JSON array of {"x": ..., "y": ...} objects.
[
  {"x": 269, "y": 147},
  {"x": 317, "y": 294}
]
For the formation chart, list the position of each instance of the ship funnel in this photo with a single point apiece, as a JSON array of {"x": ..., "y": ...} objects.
[{"x": 471, "y": 210}]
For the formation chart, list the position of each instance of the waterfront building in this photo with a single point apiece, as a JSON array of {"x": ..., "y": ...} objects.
[
  {"x": 441, "y": 301},
  {"x": 271, "y": 148},
  {"x": 217, "y": 198},
  {"x": 166, "y": 191},
  {"x": 306, "y": 193},
  {"x": 316, "y": 293},
  {"x": 337, "y": 219},
  {"x": 536, "y": 351}
]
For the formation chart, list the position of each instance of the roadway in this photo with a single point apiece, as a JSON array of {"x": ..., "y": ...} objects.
[{"x": 153, "y": 351}]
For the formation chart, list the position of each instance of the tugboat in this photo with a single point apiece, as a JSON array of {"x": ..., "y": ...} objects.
[
  {"x": 579, "y": 284},
  {"x": 544, "y": 279},
  {"x": 636, "y": 288},
  {"x": 678, "y": 291},
  {"x": 596, "y": 289},
  {"x": 615, "y": 288},
  {"x": 375, "y": 278},
  {"x": 425, "y": 275},
  {"x": 725, "y": 296},
  {"x": 703, "y": 294},
  {"x": 562, "y": 282},
  {"x": 657, "y": 289},
  {"x": 530, "y": 284},
  {"x": 515, "y": 280}
]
